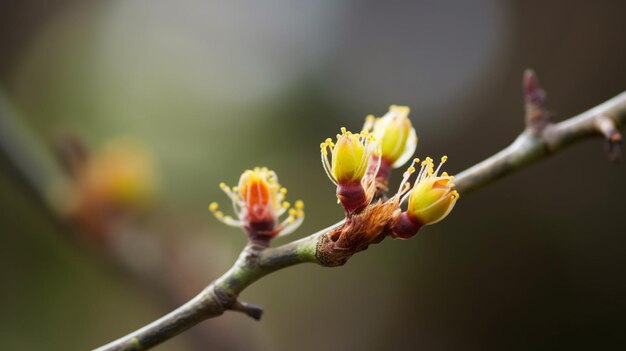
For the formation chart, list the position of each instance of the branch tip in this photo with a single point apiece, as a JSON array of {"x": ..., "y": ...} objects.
[
  {"x": 537, "y": 117},
  {"x": 530, "y": 81}
]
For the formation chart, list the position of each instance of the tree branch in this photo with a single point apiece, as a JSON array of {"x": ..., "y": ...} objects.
[
  {"x": 540, "y": 139},
  {"x": 253, "y": 263},
  {"x": 531, "y": 146}
]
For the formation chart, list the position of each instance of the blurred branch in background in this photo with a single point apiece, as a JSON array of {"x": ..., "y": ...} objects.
[
  {"x": 25, "y": 155},
  {"x": 97, "y": 198},
  {"x": 540, "y": 139}
]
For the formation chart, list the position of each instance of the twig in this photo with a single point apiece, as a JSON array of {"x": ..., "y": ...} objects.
[
  {"x": 533, "y": 146},
  {"x": 253, "y": 263},
  {"x": 540, "y": 139}
]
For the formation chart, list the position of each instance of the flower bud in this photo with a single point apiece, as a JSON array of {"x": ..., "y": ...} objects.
[
  {"x": 398, "y": 140},
  {"x": 352, "y": 159},
  {"x": 256, "y": 193},
  {"x": 397, "y": 135},
  {"x": 258, "y": 202},
  {"x": 430, "y": 201}
]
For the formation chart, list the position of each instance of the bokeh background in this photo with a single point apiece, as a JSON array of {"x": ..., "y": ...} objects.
[{"x": 534, "y": 261}]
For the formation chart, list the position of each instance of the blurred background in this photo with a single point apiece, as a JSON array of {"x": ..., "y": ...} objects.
[{"x": 205, "y": 89}]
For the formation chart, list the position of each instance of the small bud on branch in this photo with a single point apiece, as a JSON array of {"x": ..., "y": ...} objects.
[{"x": 537, "y": 117}]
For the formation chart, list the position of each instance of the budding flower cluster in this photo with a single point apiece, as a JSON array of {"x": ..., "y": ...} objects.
[
  {"x": 258, "y": 203},
  {"x": 359, "y": 164}
]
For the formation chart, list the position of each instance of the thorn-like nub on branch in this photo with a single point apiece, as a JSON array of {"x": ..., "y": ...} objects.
[
  {"x": 251, "y": 310},
  {"x": 607, "y": 128},
  {"x": 613, "y": 147},
  {"x": 537, "y": 117}
]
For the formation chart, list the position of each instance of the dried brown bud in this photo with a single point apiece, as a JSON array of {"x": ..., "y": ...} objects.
[{"x": 370, "y": 226}]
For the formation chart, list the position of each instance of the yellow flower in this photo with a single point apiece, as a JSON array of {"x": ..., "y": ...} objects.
[
  {"x": 349, "y": 156},
  {"x": 353, "y": 164},
  {"x": 430, "y": 200},
  {"x": 258, "y": 202},
  {"x": 433, "y": 196},
  {"x": 396, "y": 135}
]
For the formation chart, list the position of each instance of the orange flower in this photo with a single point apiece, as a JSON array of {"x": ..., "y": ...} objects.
[{"x": 258, "y": 202}]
